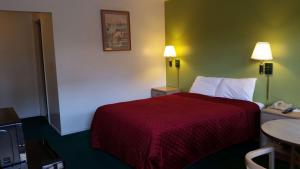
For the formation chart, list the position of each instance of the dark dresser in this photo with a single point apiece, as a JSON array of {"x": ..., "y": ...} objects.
[
  {"x": 13, "y": 152},
  {"x": 12, "y": 144}
]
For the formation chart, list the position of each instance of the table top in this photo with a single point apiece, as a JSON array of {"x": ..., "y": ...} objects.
[
  {"x": 165, "y": 89},
  {"x": 8, "y": 116},
  {"x": 285, "y": 130},
  {"x": 295, "y": 115}
]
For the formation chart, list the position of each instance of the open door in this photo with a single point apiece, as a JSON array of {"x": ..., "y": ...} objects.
[
  {"x": 46, "y": 58},
  {"x": 40, "y": 69}
]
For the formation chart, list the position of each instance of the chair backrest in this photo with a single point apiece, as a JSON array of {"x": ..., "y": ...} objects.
[{"x": 250, "y": 164}]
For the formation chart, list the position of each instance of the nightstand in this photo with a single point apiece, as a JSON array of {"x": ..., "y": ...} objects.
[
  {"x": 282, "y": 151},
  {"x": 162, "y": 91}
]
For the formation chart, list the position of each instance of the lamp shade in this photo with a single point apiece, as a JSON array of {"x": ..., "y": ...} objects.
[
  {"x": 170, "y": 51},
  {"x": 262, "y": 51}
]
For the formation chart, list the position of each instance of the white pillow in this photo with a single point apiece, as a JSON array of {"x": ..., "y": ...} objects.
[
  {"x": 241, "y": 89},
  {"x": 205, "y": 85}
]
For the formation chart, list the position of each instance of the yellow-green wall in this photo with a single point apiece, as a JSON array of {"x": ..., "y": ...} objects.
[{"x": 217, "y": 37}]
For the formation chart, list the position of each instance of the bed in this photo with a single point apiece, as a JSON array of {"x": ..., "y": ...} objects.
[{"x": 171, "y": 132}]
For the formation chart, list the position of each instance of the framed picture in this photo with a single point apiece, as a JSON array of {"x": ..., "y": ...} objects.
[{"x": 115, "y": 30}]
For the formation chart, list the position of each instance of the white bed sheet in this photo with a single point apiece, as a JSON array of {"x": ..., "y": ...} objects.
[{"x": 260, "y": 105}]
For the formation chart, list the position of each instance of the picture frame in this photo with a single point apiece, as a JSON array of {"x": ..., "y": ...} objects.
[{"x": 116, "y": 35}]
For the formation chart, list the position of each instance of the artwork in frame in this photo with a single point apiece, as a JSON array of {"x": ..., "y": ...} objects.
[{"x": 115, "y": 30}]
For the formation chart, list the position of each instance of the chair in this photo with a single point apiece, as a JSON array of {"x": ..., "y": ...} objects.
[{"x": 250, "y": 164}]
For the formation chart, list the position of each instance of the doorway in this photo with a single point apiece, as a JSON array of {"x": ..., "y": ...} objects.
[
  {"x": 27, "y": 65},
  {"x": 38, "y": 38}
]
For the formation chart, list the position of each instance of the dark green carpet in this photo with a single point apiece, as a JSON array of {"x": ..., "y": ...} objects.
[{"x": 75, "y": 150}]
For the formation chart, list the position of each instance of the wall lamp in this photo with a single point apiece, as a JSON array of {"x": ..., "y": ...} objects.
[
  {"x": 170, "y": 54},
  {"x": 263, "y": 52}
]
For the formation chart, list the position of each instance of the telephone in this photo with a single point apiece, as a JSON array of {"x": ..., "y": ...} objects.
[{"x": 282, "y": 106}]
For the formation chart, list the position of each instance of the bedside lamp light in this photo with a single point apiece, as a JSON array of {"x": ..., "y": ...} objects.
[
  {"x": 170, "y": 53},
  {"x": 263, "y": 52}
]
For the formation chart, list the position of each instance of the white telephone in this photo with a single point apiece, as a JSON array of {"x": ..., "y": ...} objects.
[{"x": 282, "y": 106}]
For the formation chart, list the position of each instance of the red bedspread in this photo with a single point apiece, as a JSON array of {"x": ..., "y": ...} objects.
[{"x": 172, "y": 131}]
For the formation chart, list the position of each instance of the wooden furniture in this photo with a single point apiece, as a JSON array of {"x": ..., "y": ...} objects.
[
  {"x": 250, "y": 164},
  {"x": 42, "y": 156},
  {"x": 273, "y": 114},
  {"x": 268, "y": 114},
  {"x": 283, "y": 151},
  {"x": 284, "y": 131},
  {"x": 8, "y": 116},
  {"x": 12, "y": 144},
  {"x": 15, "y": 154},
  {"x": 162, "y": 91}
]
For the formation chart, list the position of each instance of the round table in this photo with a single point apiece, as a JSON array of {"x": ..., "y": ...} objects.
[{"x": 286, "y": 131}]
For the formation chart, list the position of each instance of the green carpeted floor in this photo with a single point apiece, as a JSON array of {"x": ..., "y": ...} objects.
[{"x": 76, "y": 151}]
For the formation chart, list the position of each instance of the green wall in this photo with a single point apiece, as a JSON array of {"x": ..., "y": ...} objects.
[{"x": 217, "y": 37}]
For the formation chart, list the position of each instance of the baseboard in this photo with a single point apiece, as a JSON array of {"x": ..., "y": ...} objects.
[
  {"x": 74, "y": 132},
  {"x": 56, "y": 129},
  {"x": 69, "y": 132}
]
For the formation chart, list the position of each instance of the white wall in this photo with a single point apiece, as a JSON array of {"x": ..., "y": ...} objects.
[
  {"x": 18, "y": 84},
  {"x": 89, "y": 77}
]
